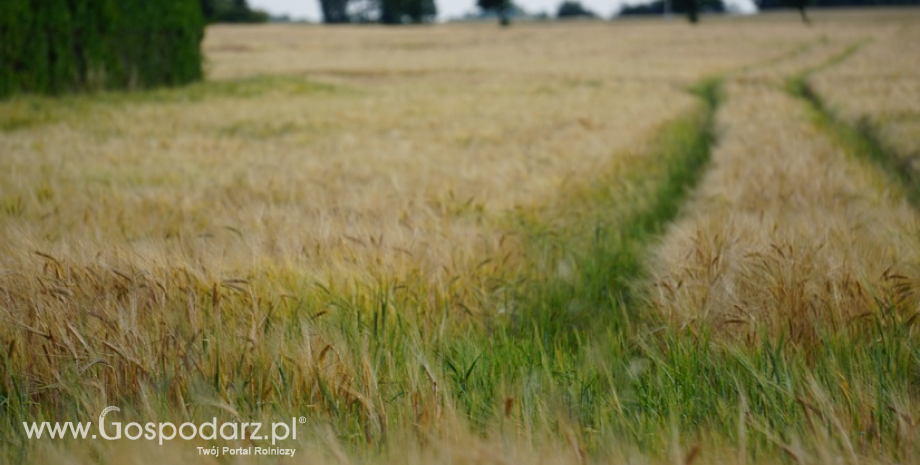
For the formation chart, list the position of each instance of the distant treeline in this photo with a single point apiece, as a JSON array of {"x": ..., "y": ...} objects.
[
  {"x": 573, "y": 9},
  {"x": 680, "y": 6},
  {"x": 774, "y": 4},
  {"x": 231, "y": 11},
  {"x": 54, "y": 46},
  {"x": 676, "y": 6},
  {"x": 382, "y": 11}
]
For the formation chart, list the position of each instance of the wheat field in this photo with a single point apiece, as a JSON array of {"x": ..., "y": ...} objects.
[{"x": 594, "y": 242}]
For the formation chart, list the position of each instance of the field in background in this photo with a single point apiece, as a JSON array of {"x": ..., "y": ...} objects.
[{"x": 466, "y": 244}]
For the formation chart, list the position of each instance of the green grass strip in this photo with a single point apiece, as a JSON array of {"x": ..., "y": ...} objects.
[
  {"x": 605, "y": 229},
  {"x": 859, "y": 139}
]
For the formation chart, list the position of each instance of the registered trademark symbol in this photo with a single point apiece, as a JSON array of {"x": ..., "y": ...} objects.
[{"x": 303, "y": 420}]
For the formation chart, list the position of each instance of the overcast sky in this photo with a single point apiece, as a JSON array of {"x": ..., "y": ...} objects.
[{"x": 309, "y": 9}]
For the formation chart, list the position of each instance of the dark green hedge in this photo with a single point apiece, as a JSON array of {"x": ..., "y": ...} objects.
[{"x": 55, "y": 46}]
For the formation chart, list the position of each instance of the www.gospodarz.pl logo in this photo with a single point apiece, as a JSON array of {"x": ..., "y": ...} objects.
[{"x": 166, "y": 431}]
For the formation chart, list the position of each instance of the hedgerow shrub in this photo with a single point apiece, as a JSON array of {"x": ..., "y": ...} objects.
[{"x": 55, "y": 46}]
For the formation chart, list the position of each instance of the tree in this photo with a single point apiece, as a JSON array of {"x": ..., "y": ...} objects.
[
  {"x": 421, "y": 11},
  {"x": 800, "y": 5},
  {"x": 644, "y": 9},
  {"x": 407, "y": 11},
  {"x": 58, "y": 46},
  {"x": 383, "y": 11},
  {"x": 208, "y": 9},
  {"x": 231, "y": 11},
  {"x": 500, "y": 7},
  {"x": 797, "y": 4},
  {"x": 692, "y": 8},
  {"x": 573, "y": 9},
  {"x": 335, "y": 11}
]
